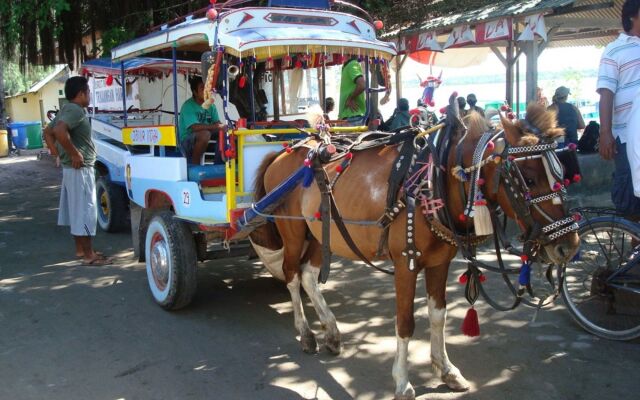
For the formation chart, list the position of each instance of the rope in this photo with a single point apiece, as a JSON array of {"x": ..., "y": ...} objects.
[{"x": 312, "y": 219}]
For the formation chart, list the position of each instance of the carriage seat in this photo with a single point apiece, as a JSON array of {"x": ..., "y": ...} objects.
[{"x": 207, "y": 175}]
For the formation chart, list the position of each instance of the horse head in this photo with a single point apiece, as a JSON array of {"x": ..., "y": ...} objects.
[{"x": 522, "y": 173}]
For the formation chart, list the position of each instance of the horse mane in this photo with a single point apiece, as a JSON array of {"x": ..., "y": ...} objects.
[
  {"x": 476, "y": 123},
  {"x": 543, "y": 119}
]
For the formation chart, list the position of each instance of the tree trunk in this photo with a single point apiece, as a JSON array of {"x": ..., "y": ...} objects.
[{"x": 2, "y": 102}]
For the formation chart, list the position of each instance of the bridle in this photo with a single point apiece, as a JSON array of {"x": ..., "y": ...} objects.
[{"x": 509, "y": 173}]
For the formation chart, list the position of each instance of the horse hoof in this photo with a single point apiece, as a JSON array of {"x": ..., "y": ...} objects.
[
  {"x": 333, "y": 344},
  {"x": 409, "y": 394},
  {"x": 309, "y": 344},
  {"x": 455, "y": 381}
]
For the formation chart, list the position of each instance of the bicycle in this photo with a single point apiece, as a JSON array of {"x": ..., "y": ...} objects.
[{"x": 601, "y": 288}]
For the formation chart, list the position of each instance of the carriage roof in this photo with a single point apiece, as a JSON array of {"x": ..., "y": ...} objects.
[
  {"x": 266, "y": 32},
  {"x": 145, "y": 66}
]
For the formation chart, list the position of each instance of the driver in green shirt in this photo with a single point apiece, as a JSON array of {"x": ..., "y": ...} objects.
[
  {"x": 197, "y": 125},
  {"x": 352, "y": 99}
]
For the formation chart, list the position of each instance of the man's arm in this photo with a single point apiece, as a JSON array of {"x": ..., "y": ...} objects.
[
  {"x": 50, "y": 139},
  {"x": 351, "y": 100},
  {"x": 210, "y": 127},
  {"x": 581, "y": 124},
  {"x": 607, "y": 142},
  {"x": 61, "y": 134}
]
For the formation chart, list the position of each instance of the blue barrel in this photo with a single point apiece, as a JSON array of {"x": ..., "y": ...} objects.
[{"x": 21, "y": 132}]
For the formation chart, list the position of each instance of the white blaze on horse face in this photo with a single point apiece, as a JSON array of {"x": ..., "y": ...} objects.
[{"x": 400, "y": 370}]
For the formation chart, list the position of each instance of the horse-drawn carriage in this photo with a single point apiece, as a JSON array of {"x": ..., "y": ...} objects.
[{"x": 414, "y": 197}]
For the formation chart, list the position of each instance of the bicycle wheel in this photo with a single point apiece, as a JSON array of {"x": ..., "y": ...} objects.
[{"x": 606, "y": 306}]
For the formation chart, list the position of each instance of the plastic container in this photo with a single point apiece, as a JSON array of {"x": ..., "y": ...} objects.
[
  {"x": 4, "y": 144},
  {"x": 27, "y": 135}
]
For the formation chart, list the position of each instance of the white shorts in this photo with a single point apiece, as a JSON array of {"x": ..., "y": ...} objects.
[{"x": 78, "y": 208}]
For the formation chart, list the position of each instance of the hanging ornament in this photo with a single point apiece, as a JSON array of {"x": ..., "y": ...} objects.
[
  {"x": 298, "y": 63},
  {"x": 378, "y": 25},
  {"x": 109, "y": 80},
  {"x": 269, "y": 65},
  {"x": 212, "y": 14},
  {"x": 242, "y": 82}
]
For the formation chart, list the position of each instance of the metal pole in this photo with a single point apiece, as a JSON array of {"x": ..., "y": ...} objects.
[
  {"x": 250, "y": 60},
  {"x": 123, "y": 83},
  {"x": 176, "y": 113},
  {"x": 366, "y": 90}
]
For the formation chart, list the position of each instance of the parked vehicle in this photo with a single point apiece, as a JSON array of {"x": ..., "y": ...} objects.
[{"x": 181, "y": 213}]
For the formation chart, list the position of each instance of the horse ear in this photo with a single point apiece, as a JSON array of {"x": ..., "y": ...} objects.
[{"x": 511, "y": 131}]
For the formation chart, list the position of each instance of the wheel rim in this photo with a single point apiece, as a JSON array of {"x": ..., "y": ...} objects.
[
  {"x": 159, "y": 260},
  {"x": 104, "y": 204},
  {"x": 597, "y": 306}
]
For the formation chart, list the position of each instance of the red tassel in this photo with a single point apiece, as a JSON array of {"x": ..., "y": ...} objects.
[{"x": 470, "y": 325}]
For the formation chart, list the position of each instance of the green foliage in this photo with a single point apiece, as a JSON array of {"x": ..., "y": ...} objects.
[
  {"x": 16, "y": 82},
  {"x": 113, "y": 37}
]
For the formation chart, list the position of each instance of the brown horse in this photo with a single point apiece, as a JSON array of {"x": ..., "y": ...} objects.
[{"x": 360, "y": 194}]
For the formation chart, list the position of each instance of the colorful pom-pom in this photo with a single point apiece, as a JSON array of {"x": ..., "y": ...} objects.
[
  {"x": 212, "y": 14},
  {"x": 482, "y": 278},
  {"x": 349, "y": 156},
  {"x": 307, "y": 162},
  {"x": 511, "y": 115},
  {"x": 556, "y": 186},
  {"x": 577, "y": 178},
  {"x": 289, "y": 150},
  {"x": 504, "y": 107},
  {"x": 567, "y": 182},
  {"x": 378, "y": 25},
  {"x": 480, "y": 181},
  {"x": 462, "y": 218},
  {"x": 572, "y": 146},
  {"x": 317, "y": 215},
  {"x": 524, "y": 258},
  {"x": 339, "y": 168},
  {"x": 577, "y": 217},
  {"x": 490, "y": 145},
  {"x": 443, "y": 110},
  {"x": 285, "y": 145},
  {"x": 463, "y": 279}
]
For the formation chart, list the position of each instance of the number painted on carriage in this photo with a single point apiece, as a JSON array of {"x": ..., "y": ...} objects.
[
  {"x": 186, "y": 198},
  {"x": 268, "y": 77}
]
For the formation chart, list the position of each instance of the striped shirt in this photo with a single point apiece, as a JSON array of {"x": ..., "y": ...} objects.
[{"x": 620, "y": 73}]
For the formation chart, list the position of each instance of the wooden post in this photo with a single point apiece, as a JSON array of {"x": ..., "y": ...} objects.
[
  {"x": 509, "y": 75},
  {"x": 532, "y": 70}
]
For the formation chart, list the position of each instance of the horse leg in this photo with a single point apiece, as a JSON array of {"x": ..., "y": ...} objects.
[
  {"x": 291, "y": 267},
  {"x": 405, "y": 282},
  {"x": 310, "y": 272},
  {"x": 436, "y": 282}
]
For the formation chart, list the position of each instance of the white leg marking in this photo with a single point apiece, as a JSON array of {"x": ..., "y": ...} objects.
[
  {"x": 400, "y": 371},
  {"x": 300, "y": 320},
  {"x": 439, "y": 358},
  {"x": 310, "y": 284}
]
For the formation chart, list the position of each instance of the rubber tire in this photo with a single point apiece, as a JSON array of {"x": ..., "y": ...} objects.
[
  {"x": 182, "y": 283},
  {"x": 118, "y": 205},
  {"x": 587, "y": 227}
]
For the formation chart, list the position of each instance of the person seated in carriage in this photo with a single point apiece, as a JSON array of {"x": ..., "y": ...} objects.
[{"x": 197, "y": 125}]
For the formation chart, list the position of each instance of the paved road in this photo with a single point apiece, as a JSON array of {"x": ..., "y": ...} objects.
[{"x": 74, "y": 332}]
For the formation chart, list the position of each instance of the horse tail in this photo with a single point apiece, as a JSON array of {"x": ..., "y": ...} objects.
[
  {"x": 266, "y": 235},
  {"x": 259, "y": 191}
]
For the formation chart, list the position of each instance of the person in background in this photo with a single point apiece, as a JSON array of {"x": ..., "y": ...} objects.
[
  {"x": 617, "y": 86},
  {"x": 400, "y": 116},
  {"x": 567, "y": 115},
  {"x": 352, "y": 99},
  {"x": 472, "y": 100},
  {"x": 329, "y": 105},
  {"x": 68, "y": 136},
  {"x": 541, "y": 98},
  {"x": 462, "y": 103},
  {"x": 12, "y": 148},
  {"x": 197, "y": 125}
]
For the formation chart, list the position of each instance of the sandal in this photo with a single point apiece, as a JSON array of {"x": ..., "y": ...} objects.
[
  {"x": 97, "y": 262},
  {"x": 98, "y": 253}
]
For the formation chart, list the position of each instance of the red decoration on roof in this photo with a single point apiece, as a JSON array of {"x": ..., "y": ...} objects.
[
  {"x": 245, "y": 18},
  {"x": 355, "y": 26}
]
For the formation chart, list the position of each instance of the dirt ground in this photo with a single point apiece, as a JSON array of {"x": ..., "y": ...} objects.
[{"x": 75, "y": 332}]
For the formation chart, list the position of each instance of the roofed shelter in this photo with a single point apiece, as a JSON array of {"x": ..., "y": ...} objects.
[{"x": 508, "y": 29}]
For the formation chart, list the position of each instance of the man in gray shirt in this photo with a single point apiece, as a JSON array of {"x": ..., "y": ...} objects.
[{"x": 69, "y": 137}]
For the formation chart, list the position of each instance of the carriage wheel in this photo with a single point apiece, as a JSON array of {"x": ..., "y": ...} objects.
[
  {"x": 171, "y": 261},
  {"x": 113, "y": 206}
]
